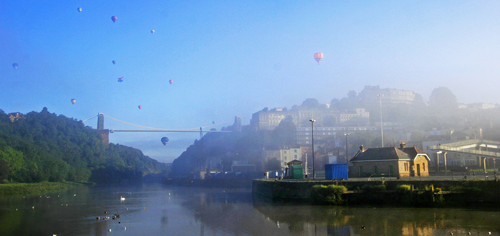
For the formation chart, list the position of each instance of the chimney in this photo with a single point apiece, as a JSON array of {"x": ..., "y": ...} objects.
[
  {"x": 361, "y": 148},
  {"x": 402, "y": 145}
]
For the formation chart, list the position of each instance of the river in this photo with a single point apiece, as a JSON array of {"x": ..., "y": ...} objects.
[{"x": 169, "y": 210}]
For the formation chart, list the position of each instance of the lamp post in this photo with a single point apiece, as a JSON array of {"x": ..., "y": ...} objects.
[
  {"x": 381, "y": 123},
  {"x": 346, "y": 150},
  {"x": 312, "y": 134}
]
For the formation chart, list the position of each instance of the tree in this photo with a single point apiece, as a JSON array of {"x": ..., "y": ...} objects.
[
  {"x": 442, "y": 99},
  {"x": 310, "y": 103},
  {"x": 4, "y": 171},
  {"x": 13, "y": 158},
  {"x": 285, "y": 133}
]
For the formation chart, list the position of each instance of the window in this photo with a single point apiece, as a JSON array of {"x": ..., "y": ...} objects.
[
  {"x": 375, "y": 169},
  {"x": 423, "y": 166},
  {"x": 407, "y": 167}
]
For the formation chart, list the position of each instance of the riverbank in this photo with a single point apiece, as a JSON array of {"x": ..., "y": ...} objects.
[
  {"x": 36, "y": 188},
  {"x": 406, "y": 193}
]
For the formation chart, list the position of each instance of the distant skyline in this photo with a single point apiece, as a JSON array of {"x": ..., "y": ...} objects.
[{"x": 230, "y": 59}]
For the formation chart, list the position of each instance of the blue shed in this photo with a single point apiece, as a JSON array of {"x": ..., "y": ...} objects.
[{"x": 336, "y": 171}]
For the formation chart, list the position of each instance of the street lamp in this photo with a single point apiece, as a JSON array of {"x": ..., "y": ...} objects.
[
  {"x": 381, "y": 123},
  {"x": 346, "y": 150},
  {"x": 312, "y": 133}
]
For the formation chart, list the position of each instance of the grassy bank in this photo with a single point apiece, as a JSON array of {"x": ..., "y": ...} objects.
[{"x": 35, "y": 188}]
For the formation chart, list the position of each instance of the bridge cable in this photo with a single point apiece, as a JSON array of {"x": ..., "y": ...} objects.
[
  {"x": 156, "y": 128},
  {"x": 89, "y": 118}
]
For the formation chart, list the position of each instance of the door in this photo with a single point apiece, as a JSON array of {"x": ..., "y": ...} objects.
[
  {"x": 418, "y": 169},
  {"x": 391, "y": 171}
]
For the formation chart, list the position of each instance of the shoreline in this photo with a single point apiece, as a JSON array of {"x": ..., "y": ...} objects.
[
  {"x": 11, "y": 189},
  {"x": 399, "y": 193}
]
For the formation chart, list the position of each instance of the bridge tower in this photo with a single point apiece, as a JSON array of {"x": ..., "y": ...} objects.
[{"x": 100, "y": 129}]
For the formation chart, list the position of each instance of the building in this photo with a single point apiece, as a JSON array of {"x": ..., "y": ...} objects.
[
  {"x": 14, "y": 116},
  {"x": 370, "y": 96},
  {"x": 270, "y": 119},
  {"x": 390, "y": 161},
  {"x": 283, "y": 155}
]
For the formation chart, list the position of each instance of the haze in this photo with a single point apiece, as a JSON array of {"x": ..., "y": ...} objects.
[{"x": 230, "y": 59}]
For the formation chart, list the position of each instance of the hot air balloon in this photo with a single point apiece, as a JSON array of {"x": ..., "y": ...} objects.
[
  {"x": 213, "y": 122},
  {"x": 139, "y": 106},
  {"x": 171, "y": 81},
  {"x": 73, "y": 101},
  {"x": 152, "y": 31},
  {"x": 79, "y": 9},
  {"x": 164, "y": 140},
  {"x": 114, "y": 18},
  {"x": 114, "y": 62},
  {"x": 318, "y": 56},
  {"x": 15, "y": 65},
  {"x": 120, "y": 79}
]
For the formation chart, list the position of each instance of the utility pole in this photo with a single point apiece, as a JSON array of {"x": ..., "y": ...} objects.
[
  {"x": 381, "y": 123},
  {"x": 346, "y": 149},
  {"x": 312, "y": 133}
]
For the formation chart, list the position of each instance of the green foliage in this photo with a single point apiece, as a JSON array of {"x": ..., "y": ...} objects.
[
  {"x": 373, "y": 188},
  {"x": 466, "y": 189},
  {"x": 403, "y": 187},
  {"x": 34, "y": 188},
  {"x": 331, "y": 194},
  {"x": 14, "y": 160},
  {"x": 4, "y": 171},
  {"x": 47, "y": 147}
]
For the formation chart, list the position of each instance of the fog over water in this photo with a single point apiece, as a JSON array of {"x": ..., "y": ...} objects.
[{"x": 228, "y": 59}]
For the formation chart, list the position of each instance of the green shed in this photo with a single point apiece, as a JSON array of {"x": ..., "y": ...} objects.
[{"x": 295, "y": 170}]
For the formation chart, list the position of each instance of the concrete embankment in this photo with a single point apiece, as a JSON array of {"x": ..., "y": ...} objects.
[{"x": 424, "y": 193}]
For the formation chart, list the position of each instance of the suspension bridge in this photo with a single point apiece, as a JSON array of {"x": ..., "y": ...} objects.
[{"x": 105, "y": 132}]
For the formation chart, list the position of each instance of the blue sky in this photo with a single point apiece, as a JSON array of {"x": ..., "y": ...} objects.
[{"x": 233, "y": 58}]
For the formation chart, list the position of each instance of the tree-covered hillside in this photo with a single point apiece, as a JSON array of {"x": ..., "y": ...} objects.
[{"x": 41, "y": 146}]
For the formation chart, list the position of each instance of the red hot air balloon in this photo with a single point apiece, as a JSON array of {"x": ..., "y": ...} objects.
[
  {"x": 171, "y": 81},
  {"x": 114, "y": 18},
  {"x": 73, "y": 101},
  {"x": 318, "y": 56},
  {"x": 139, "y": 106},
  {"x": 120, "y": 79}
]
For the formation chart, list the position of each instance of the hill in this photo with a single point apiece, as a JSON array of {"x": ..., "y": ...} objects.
[{"x": 43, "y": 146}]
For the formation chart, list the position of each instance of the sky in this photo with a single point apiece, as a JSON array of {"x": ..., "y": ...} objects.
[{"x": 233, "y": 58}]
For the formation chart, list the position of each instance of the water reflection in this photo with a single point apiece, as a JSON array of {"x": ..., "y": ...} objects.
[
  {"x": 168, "y": 210},
  {"x": 332, "y": 220}
]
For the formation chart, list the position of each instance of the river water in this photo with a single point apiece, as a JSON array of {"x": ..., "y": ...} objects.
[{"x": 170, "y": 210}]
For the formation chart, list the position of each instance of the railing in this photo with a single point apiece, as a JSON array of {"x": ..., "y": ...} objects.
[{"x": 466, "y": 147}]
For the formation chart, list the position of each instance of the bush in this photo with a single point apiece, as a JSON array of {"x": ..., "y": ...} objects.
[
  {"x": 403, "y": 187},
  {"x": 373, "y": 188},
  {"x": 332, "y": 194},
  {"x": 468, "y": 190}
]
